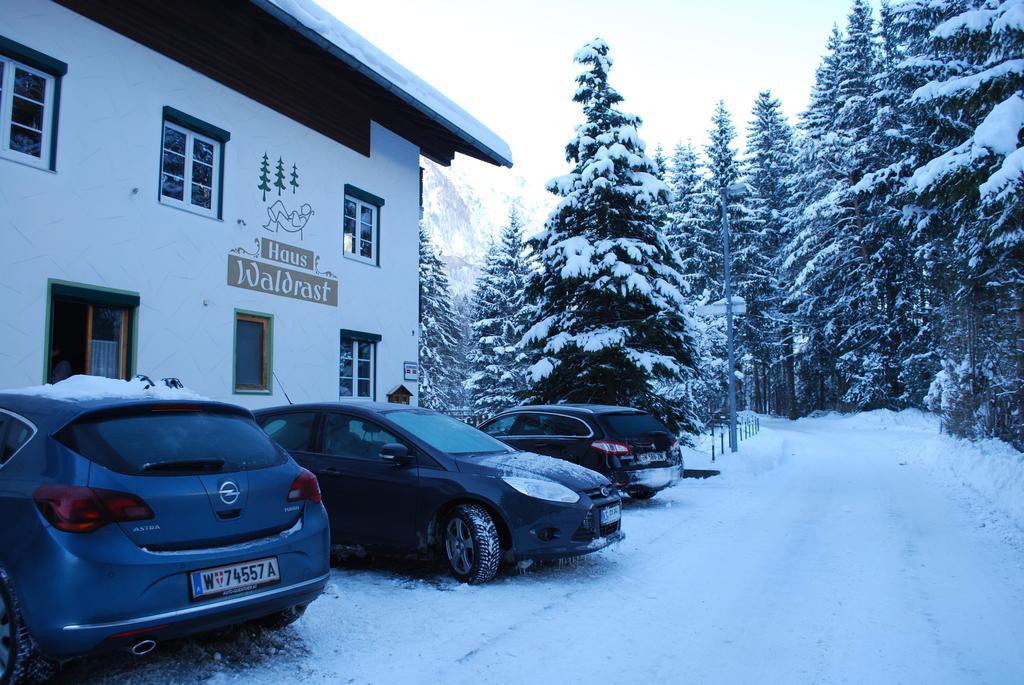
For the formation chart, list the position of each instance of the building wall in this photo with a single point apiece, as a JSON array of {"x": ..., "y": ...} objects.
[{"x": 97, "y": 221}]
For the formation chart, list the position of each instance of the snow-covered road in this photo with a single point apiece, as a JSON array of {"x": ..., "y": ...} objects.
[{"x": 831, "y": 550}]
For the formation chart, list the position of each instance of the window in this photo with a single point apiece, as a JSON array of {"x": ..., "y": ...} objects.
[
  {"x": 290, "y": 431},
  {"x": 566, "y": 426},
  {"x": 357, "y": 365},
  {"x": 348, "y": 436},
  {"x": 148, "y": 441},
  {"x": 361, "y": 225},
  {"x": 634, "y": 425},
  {"x": 501, "y": 427},
  {"x": 14, "y": 433},
  {"x": 91, "y": 332},
  {"x": 191, "y": 173},
  {"x": 29, "y": 93},
  {"x": 253, "y": 335}
]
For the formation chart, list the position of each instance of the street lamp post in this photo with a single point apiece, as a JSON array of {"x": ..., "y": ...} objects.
[{"x": 735, "y": 190}]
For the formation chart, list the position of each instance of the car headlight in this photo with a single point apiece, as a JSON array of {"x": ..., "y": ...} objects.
[{"x": 542, "y": 489}]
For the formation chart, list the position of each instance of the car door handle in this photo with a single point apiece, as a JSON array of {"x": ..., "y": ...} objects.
[{"x": 331, "y": 470}]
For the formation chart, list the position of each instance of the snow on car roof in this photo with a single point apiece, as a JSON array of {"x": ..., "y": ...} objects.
[
  {"x": 355, "y": 51},
  {"x": 85, "y": 388}
]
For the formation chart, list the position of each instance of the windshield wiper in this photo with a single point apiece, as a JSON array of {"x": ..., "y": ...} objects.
[{"x": 209, "y": 465}]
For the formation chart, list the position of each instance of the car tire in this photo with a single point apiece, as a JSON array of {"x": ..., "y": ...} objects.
[
  {"x": 282, "y": 619},
  {"x": 20, "y": 661},
  {"x": 642, "y": 493},
  {"x": 471, "y": 544}
]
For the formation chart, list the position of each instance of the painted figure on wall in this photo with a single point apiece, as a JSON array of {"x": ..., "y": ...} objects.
[{"x": 289, "y": 222}]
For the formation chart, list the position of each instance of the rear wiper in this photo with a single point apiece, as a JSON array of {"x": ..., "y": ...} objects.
[{"x": 186, "y": 465}]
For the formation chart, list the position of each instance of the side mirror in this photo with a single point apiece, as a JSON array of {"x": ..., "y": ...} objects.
[{"x": 396, "y": 454}]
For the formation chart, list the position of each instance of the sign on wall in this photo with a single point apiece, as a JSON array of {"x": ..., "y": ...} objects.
[
  {"x": 410, "y": 371},
  {"x": 267, "y": 270},
  {"x": 278, "y": 268}
]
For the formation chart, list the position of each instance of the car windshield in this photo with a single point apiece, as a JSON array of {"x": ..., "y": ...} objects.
[
  {"x": 447, "y": 434},
  {"x": 634, "y": 425}
]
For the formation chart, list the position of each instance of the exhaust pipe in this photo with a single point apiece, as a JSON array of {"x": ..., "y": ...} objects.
[{"x": 143, "y": 647}]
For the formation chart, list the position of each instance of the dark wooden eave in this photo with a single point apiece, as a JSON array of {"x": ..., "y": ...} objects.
[{"x": 244, "y": 48}]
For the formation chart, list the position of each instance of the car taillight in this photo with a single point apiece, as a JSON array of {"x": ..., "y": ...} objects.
[
  {"x": 78, "y": 509},
  {"x": 305, "y": 487},
  {"x": 617, "y": 449}
]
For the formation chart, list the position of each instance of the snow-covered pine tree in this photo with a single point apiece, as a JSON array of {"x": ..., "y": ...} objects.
[
  {"x": 810, "y": 233},
  {"x": 896, "y": 329},
  {"x": 687, "y": 217},
  {"x": 722, "y": 174},
  {"x": 769, "y": 164},
  {"x": 976, "y": 185},
  {"x": 838, "y": 290},
  {"x": 498, "y": 373},
  {"x": 439, "y": 333},
  {"x": 684, "y": 207},
  {"x": 608, "y": 315}
]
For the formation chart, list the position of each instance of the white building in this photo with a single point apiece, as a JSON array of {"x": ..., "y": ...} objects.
[{"x": 223, "y": 192}]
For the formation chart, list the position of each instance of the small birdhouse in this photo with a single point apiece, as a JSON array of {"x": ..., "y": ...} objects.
[{"x": 399, "y": 395}]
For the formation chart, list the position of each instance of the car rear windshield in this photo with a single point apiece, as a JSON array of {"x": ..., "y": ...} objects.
[
  {"x": 447, "y": 434},
  {"x": 172, "y": 443},
  {"x": 634, "y": 425}
]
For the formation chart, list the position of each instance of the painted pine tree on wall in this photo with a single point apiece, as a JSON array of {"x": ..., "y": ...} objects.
[{"x": 607, "y": 300}]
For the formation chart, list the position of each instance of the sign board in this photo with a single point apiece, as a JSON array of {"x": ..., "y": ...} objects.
[
  {"x": 410, "y": 371},
  {"x": 739, "y": 307},
  {"x": 258, "y": 270}
]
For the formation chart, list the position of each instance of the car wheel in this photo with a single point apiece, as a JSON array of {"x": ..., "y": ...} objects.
[
  {"x": 283, "y": 619},
  {"x": 20, "y": 661},
  {"x": 642, "y": 493},
  {"x": 471, "y": 544}
]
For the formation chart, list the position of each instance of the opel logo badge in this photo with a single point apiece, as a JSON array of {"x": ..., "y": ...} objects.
[
  {"x": 229, "y": 492},
  {"x": 605, "y": 490}
]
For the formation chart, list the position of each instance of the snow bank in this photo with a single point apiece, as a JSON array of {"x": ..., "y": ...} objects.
[
  {"x": 368, "y": 59},
  {"x": 81, "y": 388},
  {"x": 991, "y": 468}
]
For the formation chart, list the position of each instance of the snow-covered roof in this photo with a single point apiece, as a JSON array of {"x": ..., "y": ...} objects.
[{"x": 320, "y": 26}]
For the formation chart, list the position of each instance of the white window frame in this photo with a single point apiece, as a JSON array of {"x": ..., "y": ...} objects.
[
  {"x": 354, "y": 351},
  {"x": 186, "y": 202},
  {"x": 7, "y": 107},
  {"x": 374, "y": 234}
]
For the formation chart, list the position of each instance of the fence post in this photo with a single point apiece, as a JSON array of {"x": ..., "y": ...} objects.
[{"x": 712, "y": 443}]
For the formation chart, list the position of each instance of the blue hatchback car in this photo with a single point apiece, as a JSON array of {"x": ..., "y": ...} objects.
[{"x": 129, "y": 521}]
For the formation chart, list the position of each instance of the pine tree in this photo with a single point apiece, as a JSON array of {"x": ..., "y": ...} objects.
[
  {"x": 970, "y": 193},
  {"x": 608, "y": 307},
  {"x": 294, "y": 182},
  {"x": 498, "y": 372},
  {"x": 439, "y": 334},
  {"x": 279, "y": 176},
  {"x": 264, "y": 177},
  {"x": 769, "y": 167}
]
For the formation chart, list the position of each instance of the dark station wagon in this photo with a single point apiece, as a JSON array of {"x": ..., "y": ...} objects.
[{"x": 629, "y": 446}]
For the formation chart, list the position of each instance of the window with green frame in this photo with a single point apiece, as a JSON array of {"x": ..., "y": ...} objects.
[
  {"x": 253, "y": 356},
  {"x": 29, "y": 102}
]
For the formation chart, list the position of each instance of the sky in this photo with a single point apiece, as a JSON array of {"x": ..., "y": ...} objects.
[{"x": 510, "y": 63}]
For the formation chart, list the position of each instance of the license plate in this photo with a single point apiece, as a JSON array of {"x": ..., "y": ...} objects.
[
  {"x": 648, "y": 457},
  {"x": 611, "y": 514},
  {"x": 222, "y": 581}
]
